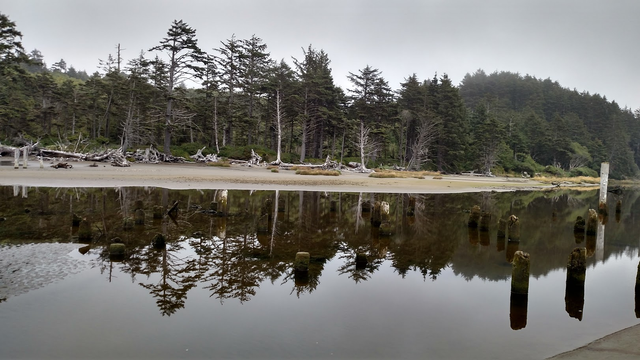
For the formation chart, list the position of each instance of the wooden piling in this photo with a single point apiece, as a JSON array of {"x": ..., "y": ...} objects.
[
  {"x": 116, "y": 249},
  {"x": 139, "y": 217},
  {"x": 604, "y": 182},
  {"x": 514, "y": 228},
  {"x": 159, "y": 241},
  {"x": 302, "y": 261},
  {"x": 222, "y": 200},
  {"x": 485, "y": 220},
  {"x": 376, "y": 217},
  {"x": 520, "y": 273},
  {"x": 84, "y": 230},
  {"x": 577, "y": 265},
  {"x": 25, "y": 157},
  {"x": 361, "y": 261},
  {"x": 474, "y": 217},
  {"x": 158, "y": 212},
  {"x": 592, "y": 223},
  {"x": 502, "y": 228},
  {"x": 518, "y": 304}
]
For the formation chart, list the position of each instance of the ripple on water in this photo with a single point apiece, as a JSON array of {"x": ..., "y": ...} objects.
[{"x": 32, "y": 266}]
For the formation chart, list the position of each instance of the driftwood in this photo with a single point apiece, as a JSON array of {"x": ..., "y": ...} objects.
[
  {"x": 198, "y": 157},
  {"x": 119, "y": 159},
  {"x": 255, "y": 158},
  {"x": 62, "y": 166}
]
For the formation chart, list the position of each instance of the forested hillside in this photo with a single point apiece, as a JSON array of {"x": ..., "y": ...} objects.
[{"x": 179, "y": 98}]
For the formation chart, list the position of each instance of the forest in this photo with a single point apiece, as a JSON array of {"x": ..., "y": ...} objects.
[{"x": 180, "y": 98}]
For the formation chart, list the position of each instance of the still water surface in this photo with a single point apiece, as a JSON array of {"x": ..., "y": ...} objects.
[{"x": 224, "y": 286}]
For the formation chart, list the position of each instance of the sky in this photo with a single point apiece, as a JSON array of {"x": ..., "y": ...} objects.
[{"x": 587, "y": 45}]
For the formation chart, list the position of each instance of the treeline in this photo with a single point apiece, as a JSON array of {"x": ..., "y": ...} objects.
[{"x": 179, "y": 97}]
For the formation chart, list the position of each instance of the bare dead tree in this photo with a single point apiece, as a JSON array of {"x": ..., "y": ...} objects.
[
  {"x": 366, "y": 145},
  {"x": 427, "y": 134}
]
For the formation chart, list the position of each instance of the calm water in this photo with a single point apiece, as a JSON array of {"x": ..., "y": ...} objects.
[{"x": 224, "y": 286}]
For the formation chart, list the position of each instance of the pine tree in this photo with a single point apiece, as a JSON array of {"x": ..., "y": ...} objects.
[{"x": 181, "y": 47}]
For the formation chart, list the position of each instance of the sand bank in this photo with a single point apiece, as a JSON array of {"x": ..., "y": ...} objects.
[{"x": 200, "y": 176}]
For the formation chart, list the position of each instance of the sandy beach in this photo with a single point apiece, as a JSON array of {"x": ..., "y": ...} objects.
[{"x": 201, "y": 176}]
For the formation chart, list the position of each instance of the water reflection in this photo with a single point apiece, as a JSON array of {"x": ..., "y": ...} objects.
[{"x": 230, "y": 242}]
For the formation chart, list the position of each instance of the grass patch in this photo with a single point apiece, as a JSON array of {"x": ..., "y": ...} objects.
[
  {"x": 571, "y": 180},
  {"x": 318, "y": 172},
  {"x": 437, "y": 177},
  {"x": 387, "y": 174},
  {"x": 275, "y": 170},
  {"x": 219, "y": 164}
]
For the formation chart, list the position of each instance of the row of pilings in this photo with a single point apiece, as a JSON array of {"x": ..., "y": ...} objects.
[
  {"x": 87, "y": 231},
  {"x": 592, "y": 227}
]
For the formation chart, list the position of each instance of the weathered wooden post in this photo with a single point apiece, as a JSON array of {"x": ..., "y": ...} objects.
[
  {"x": 25, "y": 157},
  {"x": 618, "y": 210},
  {"x": 222, "y": 199},
  {"x": 574, "y": 290},
  {"x": 604, "y": 181},
  {"x": 518, "y": 304},
  {"x": 117, "y": 248},
  {"x": 411, "y": 209},
  {"x": 16, "y": 155},
  {"x": 519, "y": 290},
  {"x": 158, "y": 212},
  {"x": 84, "y": 230},
  {"x": 474, "y": 217},
  {"x": 75, "y": 220},
  {"x": 376, "y": 216},
  {"x": 474, "y": 235},
  {"x": 514, "y": 228},
  {"x": 502, "y": 228},
  {"x": 139, "y": 217},
  {"x": 159, "y": 241},
  {"x": 361, "y": 261},
  {"x": 592, "y": 222},
  {"x": 520, "y": 273},
  {"x": 485, "y": 220},
  {"x": 127, "y": 223},
  {"x": 301, "y": 263},
  {"x": 638, "y": 292}
]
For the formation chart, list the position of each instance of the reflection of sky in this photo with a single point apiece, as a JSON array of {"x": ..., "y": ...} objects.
[{"x": 86, "y": 316}]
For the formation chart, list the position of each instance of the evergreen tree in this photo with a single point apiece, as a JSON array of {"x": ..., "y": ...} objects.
[{"x": 181, "y": 47}]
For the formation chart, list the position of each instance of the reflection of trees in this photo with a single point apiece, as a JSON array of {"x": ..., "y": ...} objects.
[
  {"x": 177, "y": 276},
  {"x": 428, "y": 242},
  {"x": 224, "y": 254}
]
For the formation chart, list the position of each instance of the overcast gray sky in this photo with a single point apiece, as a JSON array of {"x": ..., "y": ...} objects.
[{"x": 589, "y": 45}]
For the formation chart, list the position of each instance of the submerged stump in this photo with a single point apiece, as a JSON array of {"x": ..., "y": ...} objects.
[{"x": 159, "y": 241}]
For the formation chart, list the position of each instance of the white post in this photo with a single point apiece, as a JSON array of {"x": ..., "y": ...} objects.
[
  {"x": 25, "y": 157},
  {"x": 604, "y": 181},
  {"x": 16, "y": 155}
]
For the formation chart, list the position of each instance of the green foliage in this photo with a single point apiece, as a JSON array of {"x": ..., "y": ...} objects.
[
  {"x": 583, "y": 171},
  {"x": 554, "y": 171}
]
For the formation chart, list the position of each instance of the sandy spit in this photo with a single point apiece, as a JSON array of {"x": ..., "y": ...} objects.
[{"x": 200, "y": 176}]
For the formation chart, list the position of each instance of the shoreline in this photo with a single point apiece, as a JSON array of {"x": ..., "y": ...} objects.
[{"x": 237, "y": 177}]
